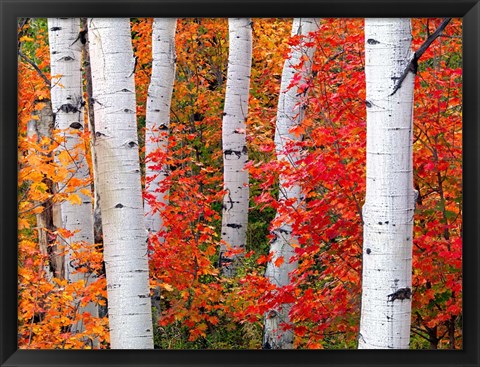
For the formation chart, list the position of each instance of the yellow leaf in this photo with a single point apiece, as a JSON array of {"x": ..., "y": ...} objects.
[
  {"x": 167, "y": 287},
  {"x": 75, "y": 199},
  {"x": 64, "y": 157},
  {"x": 26, "y": 38},
  {"x": 86, "y": 192}
]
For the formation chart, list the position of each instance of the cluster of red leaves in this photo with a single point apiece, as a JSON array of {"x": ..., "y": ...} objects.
[{"x": 437, "y": 259}]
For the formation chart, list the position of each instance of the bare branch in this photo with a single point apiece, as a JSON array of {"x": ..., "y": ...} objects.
[
  {"x": 35, "y": 66},
  {"x": 413, "y": 64}
]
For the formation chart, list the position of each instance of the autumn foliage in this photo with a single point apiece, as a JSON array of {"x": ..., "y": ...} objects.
[{"x": 200, "y": 308}]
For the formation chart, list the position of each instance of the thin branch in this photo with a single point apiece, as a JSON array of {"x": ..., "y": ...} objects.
[
  {"x": 420, "y": 334},
  {"x": 413, "y": 64},
  {"x": 23, "y": 23},
  {"x": 447, "y": 36},
  {"x": 432, "y": 38},
  {"x": 35, "y": 66}
]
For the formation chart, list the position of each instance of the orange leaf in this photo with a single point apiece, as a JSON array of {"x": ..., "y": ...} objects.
[
  {"x": 279, "y": 261},
  {"x": 23, "y": 223}
]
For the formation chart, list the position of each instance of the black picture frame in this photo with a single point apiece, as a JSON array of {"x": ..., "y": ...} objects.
[{"x": 469, "y": 10}]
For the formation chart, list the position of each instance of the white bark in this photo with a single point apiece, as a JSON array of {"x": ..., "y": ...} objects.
[
  {"x": 120, "y": 191},
  {"x": 158, "y": 114},
  {"x": 97, "y": 215},
  {"x": 66, "y": 93},
  {"x": 390, "y": 197},
  {"x": 36, "y": 130},
  {"x": 235, "y": 202},
  {"x": 289, "y": 115}
]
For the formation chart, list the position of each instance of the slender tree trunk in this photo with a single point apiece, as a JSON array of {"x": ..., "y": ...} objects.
[
  {"x": 235, "y": 181},
  {"x": 158, "y": 117},
  {"x": 97, "y": 215},
  {"x": 390, "y": 197},
  {"x": 157, "y": 128},
  {"x": 451, "y": 331},
  {"x": 67, "y": 106},
  {"x": 120, "y": 190},
  {"x": 289, "y": 115},
  {"x": 37, "y": 129}
]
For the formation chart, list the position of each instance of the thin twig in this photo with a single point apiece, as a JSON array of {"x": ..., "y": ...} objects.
[
  {"x": 35, "y": 66},
  {"x": 23, "y": 23},
  {"x": 413, "y": 64}
]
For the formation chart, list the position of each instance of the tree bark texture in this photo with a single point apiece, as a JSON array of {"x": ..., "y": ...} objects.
[
  {"x": 289, "y": 115},
  {"x": 157, "y": 129},
  {"x": 97, "y": 215},
  {"x": 67, "y": 106},
  {"x": 38, "y": 128},
  {"x": 120, "y": 190},
  {"x": 390, "y": 197},
  {"x": 236, "y": 200},
  {"x": 158, "y": 117}
]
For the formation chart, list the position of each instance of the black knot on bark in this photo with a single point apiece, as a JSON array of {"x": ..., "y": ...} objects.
[
  {"x": 82, "y": 36},
  {"x": 271, "y": 314},
  {"x": 132, "y": 144},
  {"x": 68, "y": 107},
  {"x": 401, "y": 294},
  {"x": 371, "y": 41},
  {"x": 119, "y": 205},
  {"x": 232, "y": 152},
  {"x": 233, "y": 225},
  {"x": 76, "y": 125}
]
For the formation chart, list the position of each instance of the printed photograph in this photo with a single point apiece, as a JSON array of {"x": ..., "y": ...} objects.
[{"x": 239, "y": 183}]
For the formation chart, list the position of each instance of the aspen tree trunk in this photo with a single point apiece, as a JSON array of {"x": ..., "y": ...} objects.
[
  {"x": 390, "y": 197},
  {"x": 158, "y": 114},
  {"x": 120, "y": 190},
  {"x": 235, "y": 178},
  {"x": 157, "y": 126},
  {"x": 67, "y": 106},
  {"x": 289, "y": 115},
  {"x": 97, "y": 215},
  {"x": 36, "y": 130}
]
